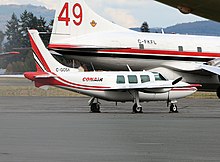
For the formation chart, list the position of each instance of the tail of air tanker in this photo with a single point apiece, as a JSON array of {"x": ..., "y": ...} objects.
[
  {"x": 45, "y": 62},
  {"x": 73, "y": 19}
]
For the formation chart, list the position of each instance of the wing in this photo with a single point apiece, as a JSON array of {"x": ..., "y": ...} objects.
[
  {"x": 212, "y": 69},
  {"x": 205, "y": 8},
  {"x": 153, "y": 87}
]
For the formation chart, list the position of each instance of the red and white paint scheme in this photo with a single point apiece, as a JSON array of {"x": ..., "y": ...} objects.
[
  {"x": 115, "y": 86},
  {"x": 79, "y": 33}
]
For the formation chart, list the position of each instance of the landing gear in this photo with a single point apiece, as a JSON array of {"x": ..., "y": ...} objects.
[
  {"x": 173, "y": 107},
  {"x": 137, "y": 108},
  {"x": 218, "y": 92},
  {"x": 94, "y": 105},
  {"x": 95, "y": 108}
]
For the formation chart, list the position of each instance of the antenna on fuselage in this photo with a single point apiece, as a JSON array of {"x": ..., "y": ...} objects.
[
  {"x": 129, "y": 68},
  {"x": 93, "y": 68}
]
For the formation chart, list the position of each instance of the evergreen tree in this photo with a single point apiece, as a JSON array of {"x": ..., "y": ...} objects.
[
  {"x": 145, "y": 27},
  {"x": 45, "y": 29},
  {"x": 13, "y": 33},
  {"x": 17, "y": 35},
  {"x": 27, "y": 21},
  {"x": 1, "y": 40}
]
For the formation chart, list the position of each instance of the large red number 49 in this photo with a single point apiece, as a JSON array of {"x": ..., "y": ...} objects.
[
  {"x": 77, "y": 13},
  {"x": 65, "y": 17}
]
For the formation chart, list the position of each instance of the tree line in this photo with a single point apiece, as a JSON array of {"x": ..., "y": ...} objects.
[{"x": 17, "y": 39}]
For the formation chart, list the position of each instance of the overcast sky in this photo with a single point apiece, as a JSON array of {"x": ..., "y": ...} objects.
[{"x": 128, "y": 13}]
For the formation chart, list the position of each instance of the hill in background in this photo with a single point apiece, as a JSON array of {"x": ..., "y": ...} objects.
[
  {"x": 6, "y": 12},
  {"x": 196, "y": 28},
  {"x": 210, "y": 28}
]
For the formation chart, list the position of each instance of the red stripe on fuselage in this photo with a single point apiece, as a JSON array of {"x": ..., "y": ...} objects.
[
  {"x": 83, "y": 85},
  {"x": 142, "y": 51},
  {"x": 163, "y": 52},
  {"x": 75, "y": 85},
  {"x": 184, "y": 89},
  {"x": 62, "y": 46},
  {"x": 55, "y": 82}
]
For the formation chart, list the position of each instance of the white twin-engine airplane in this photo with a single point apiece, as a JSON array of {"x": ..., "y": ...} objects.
[
  {"x": 79, "y": 33},
  {"x": 115, "y": 86}
]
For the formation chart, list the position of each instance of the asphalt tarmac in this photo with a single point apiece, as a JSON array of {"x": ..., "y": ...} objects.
[{"x": 61, "y": 129}]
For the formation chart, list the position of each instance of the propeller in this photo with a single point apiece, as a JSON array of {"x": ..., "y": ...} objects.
[
  {"x": 173, "y": 83},
  {"x": 177, "y": 80}
]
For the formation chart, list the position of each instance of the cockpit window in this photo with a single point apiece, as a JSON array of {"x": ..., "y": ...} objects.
[
  {"x": 132, "y": 79},
  {"x": 120, "y": 79},
  {"x": 159, "y": 77},
  {"x": 145, "y": 78}
]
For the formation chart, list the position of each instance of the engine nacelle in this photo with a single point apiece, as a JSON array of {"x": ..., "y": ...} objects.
[
  {"x": 156, "y": 90},
  {"x": 184, "y": 9},
  {"x": 215, "y": 62}
]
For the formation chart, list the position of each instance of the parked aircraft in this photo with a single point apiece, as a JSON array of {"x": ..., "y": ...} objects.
[
  {"x": 80, "y": 34},
  {"x": 207, "y": 9},
  {"x": 9, "y": 53},
  {"x": 117, "y": 86}
]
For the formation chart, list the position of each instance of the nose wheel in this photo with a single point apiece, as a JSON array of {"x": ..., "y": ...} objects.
[{"x": 173, "y": 107}]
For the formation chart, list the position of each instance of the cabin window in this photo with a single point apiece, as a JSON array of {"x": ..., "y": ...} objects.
[
  {"x": 145, "y": 78},
  {"x": 180, "y": 48},
  {"x": 159, "y": 77},
  {"x": 120, "y": 79},
  {"x": 141, "y": 46},
  {"x": 132, "y": 79},
  {"x": 199, "y": 49}
]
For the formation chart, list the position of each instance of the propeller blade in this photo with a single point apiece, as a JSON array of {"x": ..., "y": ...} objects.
[{"x": 177, "y": 80}]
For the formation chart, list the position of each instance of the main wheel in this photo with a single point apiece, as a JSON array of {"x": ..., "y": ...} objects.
[
  {"x": 173, "y": 108},
  {"x": 95, "y": 108},
  {"x": 218, "y": 92},
  {"x": 137, "y": 109}
]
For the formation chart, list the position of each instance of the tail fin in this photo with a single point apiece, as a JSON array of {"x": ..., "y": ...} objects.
[
  {"x": 44, "y": 60},
  {"x": 74, "y": 18}
]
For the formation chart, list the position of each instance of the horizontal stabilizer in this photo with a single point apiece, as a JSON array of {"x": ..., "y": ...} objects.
[
  {"x": 45, "y": 76},
  {"x": 38, "y": 75}
]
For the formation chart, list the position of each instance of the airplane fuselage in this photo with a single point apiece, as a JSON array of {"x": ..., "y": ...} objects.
[
  {"x": 172, "y": 55},
  {"x": 114, "y": 86}
]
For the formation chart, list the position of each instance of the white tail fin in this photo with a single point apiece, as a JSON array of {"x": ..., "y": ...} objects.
[
  {"x": 44, "y": 60},
  {"x": 74, "y": 18}
]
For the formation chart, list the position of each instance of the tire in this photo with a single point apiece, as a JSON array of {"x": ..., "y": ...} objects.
[
  {"x": 95, "y": 108},
  {"x": 218, "y": 92},
  {"x": 137, "y": 109},
  {"x": 173, "y": 108}
]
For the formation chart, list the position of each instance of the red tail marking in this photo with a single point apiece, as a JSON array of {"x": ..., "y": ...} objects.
[
  {"x": 38, "y": 68},
  {"x": 38, "y": 53}
]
